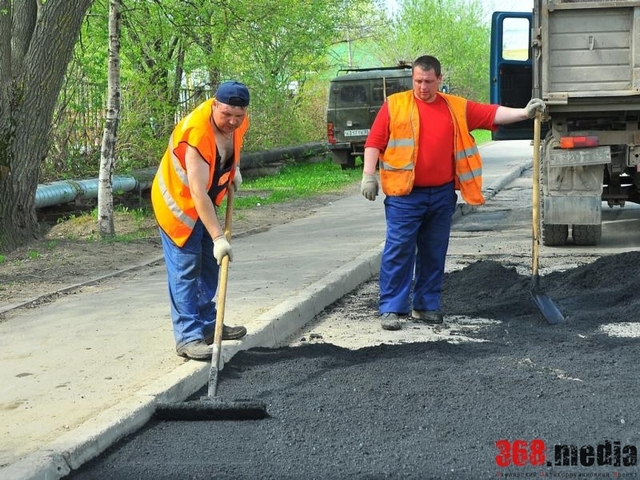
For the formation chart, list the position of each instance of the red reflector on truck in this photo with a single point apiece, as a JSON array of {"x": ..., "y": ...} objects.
[
  {"x": 579, "y": 142},
  {"x": 330, "y": 133}
]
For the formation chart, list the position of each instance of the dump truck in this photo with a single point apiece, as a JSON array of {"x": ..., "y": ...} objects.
[
  {"x": 355, "y": 97},
  {"x": 583, "y": 59}
]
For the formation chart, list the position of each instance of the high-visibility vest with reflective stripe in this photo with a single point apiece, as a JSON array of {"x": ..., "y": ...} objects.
[
  {"x": 173, "y": 205},
  {"x": 397, "y": 162}
]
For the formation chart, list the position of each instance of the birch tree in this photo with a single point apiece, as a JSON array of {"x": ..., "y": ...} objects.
[{"x": 106, "y": 225}]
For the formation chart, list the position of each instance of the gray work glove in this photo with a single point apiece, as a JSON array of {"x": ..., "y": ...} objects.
[
  {"x": 221, "y": 248},
  {"x": 369, "y": 186},
  {"x": 237, "y": 180},
  {"x": 535, "y": 105}
]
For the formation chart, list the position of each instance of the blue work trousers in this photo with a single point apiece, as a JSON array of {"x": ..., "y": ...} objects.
[
  {"x": 417, "y": 239},
  {"x": 192, "y": 273}
]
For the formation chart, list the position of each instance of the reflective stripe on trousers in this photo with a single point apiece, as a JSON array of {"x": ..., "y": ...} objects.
[
  {"x": 192, "y": 274},
  {"x": 418, "y": 229}
]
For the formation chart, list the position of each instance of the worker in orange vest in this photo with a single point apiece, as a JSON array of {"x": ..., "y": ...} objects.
[
  {"x": 422, "y": 143},
  {"x": 201, "y": 162}
]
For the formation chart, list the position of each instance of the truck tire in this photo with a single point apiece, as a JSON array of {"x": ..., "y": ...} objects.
[
  {"x": 586, "y": 234},
  {"x": 344, "y": 159},
  {"x": 554, "y": 235},
  {"x": 350, "y": 165}
]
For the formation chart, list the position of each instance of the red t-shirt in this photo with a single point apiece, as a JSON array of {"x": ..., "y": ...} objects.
[{"x": 434, "y": 165}]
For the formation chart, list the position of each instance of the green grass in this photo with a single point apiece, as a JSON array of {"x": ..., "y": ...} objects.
[
  {"x": 296, "y": 181},
  {"x": 482, "y": 136}
]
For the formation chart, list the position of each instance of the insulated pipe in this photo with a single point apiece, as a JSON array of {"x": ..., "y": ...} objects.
[{"x": 66, "y": 191}]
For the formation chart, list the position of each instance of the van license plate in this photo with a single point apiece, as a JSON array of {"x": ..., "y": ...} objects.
[{"x": 356, "y": 133}]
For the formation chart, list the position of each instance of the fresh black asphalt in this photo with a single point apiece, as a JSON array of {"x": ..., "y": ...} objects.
[{"x": 495, "y": 407}]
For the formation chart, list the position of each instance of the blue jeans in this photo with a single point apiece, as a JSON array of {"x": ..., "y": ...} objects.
[
  {"x": 417, "y": 240},
  {"x": 192, "y": 273}
]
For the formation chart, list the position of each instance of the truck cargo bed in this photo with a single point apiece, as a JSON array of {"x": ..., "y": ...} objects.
[{"x": 592, "y": 50}]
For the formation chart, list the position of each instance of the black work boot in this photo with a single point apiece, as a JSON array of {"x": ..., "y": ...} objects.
[
  {"x": 196, "y": 350},
  {"x": 430, "y": 317},
  {"x": 228, "y": 333}
]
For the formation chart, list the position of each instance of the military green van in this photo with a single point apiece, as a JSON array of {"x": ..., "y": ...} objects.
[{"x": 355, "y": 97}]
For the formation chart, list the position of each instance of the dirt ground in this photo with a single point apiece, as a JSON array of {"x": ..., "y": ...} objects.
[{"x": 70, "y": 252}]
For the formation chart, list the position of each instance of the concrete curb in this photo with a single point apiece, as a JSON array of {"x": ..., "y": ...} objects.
[{"x": 506, "y": 179}]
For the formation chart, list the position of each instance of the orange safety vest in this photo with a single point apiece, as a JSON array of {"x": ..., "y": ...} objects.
[
  {"x": 397, "y": 162},
  {"x": 173, "y": 205}
]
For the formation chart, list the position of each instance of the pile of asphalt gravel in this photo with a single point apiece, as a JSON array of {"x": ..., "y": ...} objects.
[
  {"x": 603, "y": 290},
  {"x": 427, "y": 410}
]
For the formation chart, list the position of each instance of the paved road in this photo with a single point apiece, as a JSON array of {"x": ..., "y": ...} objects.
[{"x": 493, "y": 393}]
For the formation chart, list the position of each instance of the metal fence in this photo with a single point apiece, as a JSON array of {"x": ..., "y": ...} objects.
[{"x": 78, "y": 125}]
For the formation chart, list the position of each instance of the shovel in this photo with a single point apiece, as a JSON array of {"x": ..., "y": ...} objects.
[{"x": 546, "y": 306}]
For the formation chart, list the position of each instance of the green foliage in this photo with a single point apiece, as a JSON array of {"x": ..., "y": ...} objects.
[
  {"x": 63, "y": 219},
  {"x": 137, "y": 213},
  {"x": 2, "y": 259},
  {"x": 174, "y": 53},
  {"x": 451, "y": 30},
  {"x": 276, "y": 59},
  {"x": 77, "y": 124}
]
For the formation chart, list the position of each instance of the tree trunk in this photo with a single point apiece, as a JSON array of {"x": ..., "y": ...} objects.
[
  {"x": 41, "y": 36},
  {"x": 106, "y": 225}
]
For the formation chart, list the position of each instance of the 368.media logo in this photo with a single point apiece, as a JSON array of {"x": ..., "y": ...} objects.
[{"x": 536, "y": 453}]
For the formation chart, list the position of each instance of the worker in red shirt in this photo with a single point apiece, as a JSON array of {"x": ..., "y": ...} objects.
[{"x": 422, "y": 141}]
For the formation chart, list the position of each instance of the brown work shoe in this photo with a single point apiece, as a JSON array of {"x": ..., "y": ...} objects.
[
  {"x": 196, "y": 350},
  {"x": 429, "y": 317},
  {"x": 228, "y": 333}
]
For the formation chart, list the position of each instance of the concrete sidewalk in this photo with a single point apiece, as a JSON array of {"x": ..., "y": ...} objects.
[{"x": 86, "y": 369}]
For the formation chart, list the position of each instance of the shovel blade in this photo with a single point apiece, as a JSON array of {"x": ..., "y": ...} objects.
[{"x": 547, "y": 308}]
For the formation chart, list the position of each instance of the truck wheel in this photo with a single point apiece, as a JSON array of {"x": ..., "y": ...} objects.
[
  {"x": 587, "y": 234},
  {"x": 554, "y": 235},
  {"x": 344, "y": 159},
  {"x": 350, "y": 165}
]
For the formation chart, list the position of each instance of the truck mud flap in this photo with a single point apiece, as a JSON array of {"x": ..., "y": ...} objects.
[{"x": 583, "y": 210}]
